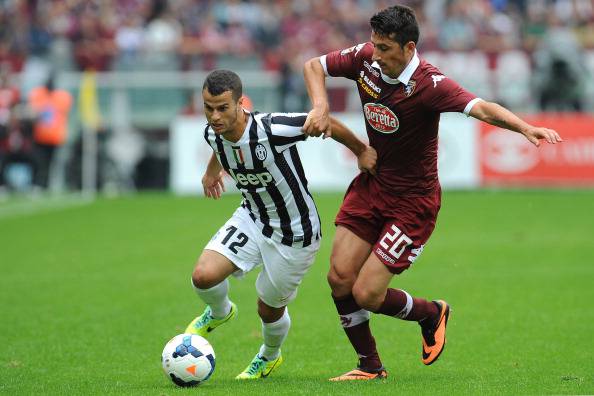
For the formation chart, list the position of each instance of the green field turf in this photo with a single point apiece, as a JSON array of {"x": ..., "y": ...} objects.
[{"x": 90, "y": 293}]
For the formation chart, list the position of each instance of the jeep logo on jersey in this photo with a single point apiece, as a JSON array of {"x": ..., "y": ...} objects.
[
  {"x": 251, "y": 179},
  {"x": 261, "y": 152},
  {"x": 381, "y": 118}
]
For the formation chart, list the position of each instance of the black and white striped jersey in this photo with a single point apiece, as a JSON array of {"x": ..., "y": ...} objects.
[{"x": 267, "y": 170}]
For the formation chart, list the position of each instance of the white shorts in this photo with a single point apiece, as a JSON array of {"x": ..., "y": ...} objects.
[{"x": 242, "y": 242}]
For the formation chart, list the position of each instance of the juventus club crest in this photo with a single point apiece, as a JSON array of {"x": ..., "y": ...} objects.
[
  {"x": 410, "y": 88},
  {"x": 261, "y": 152}
]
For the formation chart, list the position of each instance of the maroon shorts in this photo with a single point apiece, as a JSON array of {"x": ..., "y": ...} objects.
[{"x": 397, "y": 226}]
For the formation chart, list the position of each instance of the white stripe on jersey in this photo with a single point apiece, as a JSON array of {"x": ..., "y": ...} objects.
[{"x": 267, "y": 170}]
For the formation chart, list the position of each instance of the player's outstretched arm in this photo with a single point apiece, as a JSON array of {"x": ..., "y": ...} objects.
[
  {"x": 212, "y": 181},
  {"x": 366, "y": 155},
  {"x": 497, "y": 115},
  {"x": 318, "y": 119}
]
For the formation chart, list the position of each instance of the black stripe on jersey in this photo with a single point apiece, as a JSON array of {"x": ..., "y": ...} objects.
[
  {"x": 283, "y": 214},
  {"x": 246, "y": 204},
  {"x": 287, "y": 173},
  {"x": 299, "y": 167},
  {"x": 272, "y": 190},
  {"x": 258, "y": 164},
  {"x": 206, "y": 134},
  {"x": 283, "y": 140},
  {"x": 267, "y": 230},
  {"x": 296, "y": 121},
  {"x": 264, "y": 218},
  {"x": 221, "y": 152},
  {"x": 301, "y": 173}
]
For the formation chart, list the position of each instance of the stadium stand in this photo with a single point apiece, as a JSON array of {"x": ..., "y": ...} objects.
[{"x": 149, "y": 52}]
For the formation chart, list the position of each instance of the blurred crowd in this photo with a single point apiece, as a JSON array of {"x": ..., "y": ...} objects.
[
  {"x": 41, "y": 38},
  {"x": 191, "y": 34},
  {"x": 278, "y": 35}
]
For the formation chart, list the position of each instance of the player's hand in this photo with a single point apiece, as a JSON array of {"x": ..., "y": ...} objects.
[
  {"x": 318, "y": 123},
  {"x": 213, "y": 185},
  {"x": 367, "y": 160},
  {"x": 534, "y": 134}
]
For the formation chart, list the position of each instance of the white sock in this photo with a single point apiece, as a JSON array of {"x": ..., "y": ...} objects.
[
  {"x": 216, "y": 298},
  {"x": 274, "y": 334}
]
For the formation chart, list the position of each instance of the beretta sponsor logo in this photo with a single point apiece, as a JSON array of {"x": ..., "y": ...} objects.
[{"x": 381, "y": 118}]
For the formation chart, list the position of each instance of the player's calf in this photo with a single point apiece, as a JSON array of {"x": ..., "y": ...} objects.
[{"x": 368, "y": 298}]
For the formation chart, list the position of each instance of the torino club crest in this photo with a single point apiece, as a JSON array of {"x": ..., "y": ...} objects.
[
  {"x": 410, "y": 88},
  {"x": 381, "y": 118}
]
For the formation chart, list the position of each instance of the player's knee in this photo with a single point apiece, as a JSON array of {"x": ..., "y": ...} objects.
[
  {"x": 269, "y": 314},
  {"x": 340, "y": 281},
  {"x": 336, "y": 256},
  {"x": 367, "y": 298},
  {"x": 202, "y": 278}
]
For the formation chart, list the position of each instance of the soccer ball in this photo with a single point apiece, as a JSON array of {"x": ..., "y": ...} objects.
[{"x": 188, "y": 359}]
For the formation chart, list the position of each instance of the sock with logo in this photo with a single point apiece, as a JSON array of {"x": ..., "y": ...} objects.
[
  {"x": 355, "y": 322},
  {"x": 274, "y": 334},
  {"x": 400, "y": 304},
  {"x": 216, "y": 298}
]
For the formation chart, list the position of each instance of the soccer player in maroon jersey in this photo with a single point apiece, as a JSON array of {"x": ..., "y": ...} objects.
[{"x": 387, "y": 218}]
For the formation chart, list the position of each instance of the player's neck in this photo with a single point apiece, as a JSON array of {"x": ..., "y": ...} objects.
[
  {"x": 398, "y": 72},
  {"x": 238, "y": 128}
]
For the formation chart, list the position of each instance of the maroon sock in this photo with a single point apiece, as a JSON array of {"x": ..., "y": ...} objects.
[
  {"x": 400, "y": 304},
  {"x": 355, "y": 322}
]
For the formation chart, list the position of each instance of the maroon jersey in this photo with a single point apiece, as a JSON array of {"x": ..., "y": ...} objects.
[{"x": 401, "y": 116}]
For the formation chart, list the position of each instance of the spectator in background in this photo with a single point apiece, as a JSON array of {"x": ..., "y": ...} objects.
[
  {"x": 50, "y": 107},
  {"x": 16, "y": 147},
  {"x": 129, "y": 40},
  {"x": 162, "y": 39},
  {"x": 192, "y": 107},
  {"x": 9, "y": 94},
  {"x": 559, "y": 74},
  {"x": 534, "y": 27},
  {"x": 93, "y": 43},
  {"x": 10, "y": 140},
  {"x": 457, "y": 31}
]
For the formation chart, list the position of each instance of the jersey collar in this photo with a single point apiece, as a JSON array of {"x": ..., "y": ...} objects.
[{"x": 406, "y": 74}]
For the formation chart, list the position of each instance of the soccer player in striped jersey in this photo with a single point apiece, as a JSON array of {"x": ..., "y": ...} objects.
[{"x": 276, "y": 225}]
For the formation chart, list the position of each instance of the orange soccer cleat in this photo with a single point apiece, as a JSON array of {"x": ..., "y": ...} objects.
[
  {"x": 434, "y": 335},
  {"x": 361, "y": 374}
]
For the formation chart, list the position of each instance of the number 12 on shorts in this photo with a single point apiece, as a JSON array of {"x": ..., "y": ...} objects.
[
  {"x": 241, "y": 239},
  {"x": 393, "y": 241}
]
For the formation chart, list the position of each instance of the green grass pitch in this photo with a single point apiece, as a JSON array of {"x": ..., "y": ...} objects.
[{"x": 90, "y": 293}]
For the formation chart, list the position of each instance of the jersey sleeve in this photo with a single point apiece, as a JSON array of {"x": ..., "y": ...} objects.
[
  {"x": 343, "y": 63},
  {"x": 445, "y": 95},
  {"x": 207, "y": 138},
  {"x": 286, "y": 129}
]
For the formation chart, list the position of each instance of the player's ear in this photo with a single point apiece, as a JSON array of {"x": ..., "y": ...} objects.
[{"x": 409, "y": 48}]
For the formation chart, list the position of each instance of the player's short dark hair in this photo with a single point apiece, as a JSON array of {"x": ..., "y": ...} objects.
[
  {"x": 398, "y": 23},
  {"x": 219, "y": 81}
]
